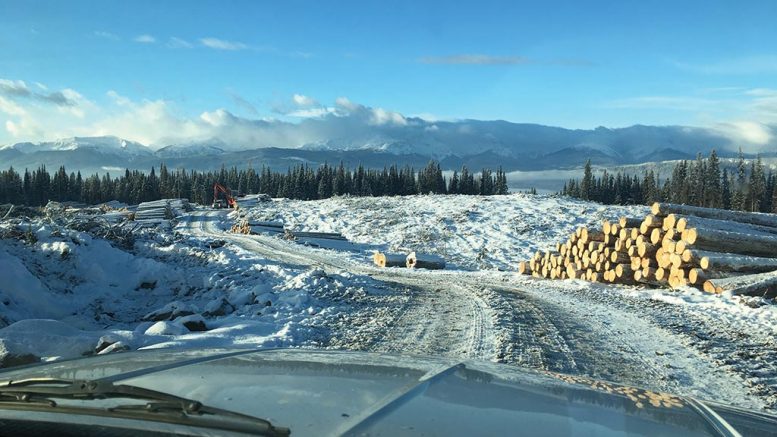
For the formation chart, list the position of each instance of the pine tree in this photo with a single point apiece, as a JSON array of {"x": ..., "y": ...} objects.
[
  {"x": 712, "y": 193},
  {"x": 738, "y": 195},
  {"x": 725, "y": 190},
  {"x": 757, "y": 186},
  {"x": 587, "y": 184}
]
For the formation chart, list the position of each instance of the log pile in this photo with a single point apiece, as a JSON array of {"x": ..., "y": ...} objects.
[
  {"x": 257, "y": 227},
  {"x": 674, "y": 246},
  {"x": 157, "y": 211}
]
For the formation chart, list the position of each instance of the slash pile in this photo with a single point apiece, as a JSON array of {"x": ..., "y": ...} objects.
[{"x": 674, "y": 246}]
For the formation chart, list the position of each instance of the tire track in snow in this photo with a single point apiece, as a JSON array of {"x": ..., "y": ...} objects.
[
  {"x": 539, "y": 325},
  {"x": 439, "y": 319}
]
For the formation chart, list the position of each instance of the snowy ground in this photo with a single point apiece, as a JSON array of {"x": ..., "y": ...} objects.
[
  {"x": 473, "y": 232},
  {"x": 265, "y": 291}
]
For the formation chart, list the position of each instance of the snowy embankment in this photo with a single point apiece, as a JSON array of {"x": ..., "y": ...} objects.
[{"x": 68, "y": 294}]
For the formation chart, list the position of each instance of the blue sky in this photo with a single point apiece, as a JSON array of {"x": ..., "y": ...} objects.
[{"x": 565, "y": 63}]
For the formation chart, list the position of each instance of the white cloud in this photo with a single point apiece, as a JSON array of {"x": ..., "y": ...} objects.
[
  {"x": 304, "y": 101},
  {"x": 10, "y": 108},
  {"x": 118, "y": 99},
  {"x": 751, "y": 132},
  {"x": 178, "y": 43},
  {"x": 311, "y": 112},
  {"x": 346, "y": 104},
  {"x": 746, "y": 115},
  {"x": 145, "y": 39},
  {"x": 25, "y": 128},
  {"x": 744, "y": 65},
  {"x": 106, "y": 35},
  {"x": 381, "y": 116},
  {"x": 475, "y": 59},
  {"x": 220, "y": 44}
]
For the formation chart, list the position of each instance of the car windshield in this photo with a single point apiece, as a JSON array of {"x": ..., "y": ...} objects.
[{"x": 586, "y": 190}]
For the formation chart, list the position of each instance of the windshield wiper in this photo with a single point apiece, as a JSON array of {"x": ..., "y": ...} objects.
[{"x": 40, "y": 394}]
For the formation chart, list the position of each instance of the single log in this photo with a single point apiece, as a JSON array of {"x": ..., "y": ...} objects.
[
  {"x": 619, "y": 257},
  {"x": 734, "y": 242},
  {"x": 646, "y": 249},
  {"x": 755, "y": 218},
  {"x": 663, "y": 259},
  {"x": 669, "y": 222},
  {"x": 677, "y": 282},
  {"x": 656, "y": 235},
  {"x": 759, "y": 284},
  {"x": 679, "y": 272},
  {"x": 680, "y": 246},
  {"x": 661, "y": 274},
  {"x": 323, "y": 235},
  {"x": 629, "y": 243},
  {"x": 727, "y": 262},
  {"x": 648, "y": 262},
  {"x": 629, "y": 222},
  {"x": 606, "y": 226},
  {"x": 633, "y": 251},
  {"x": 267, "y": 224},
  {"x": 635, "y": 232},
  {"x": 432, "y": 262},
  {"x": 687, "y": 222},
  {"x": 668, "y": 245},
  {"x": 623, "y": 270},
  {"x": 651, "y": 221},
  {"x": 624, "y": 234},
  {"x": 397, "y": 260},
  {"x": 698, "y": 277},
  {"x": 636, "y": 262},
  {"x": 523, "y": 268},
  {"x": 614, "y": 229},
  {"x": 677, "y": 261}
]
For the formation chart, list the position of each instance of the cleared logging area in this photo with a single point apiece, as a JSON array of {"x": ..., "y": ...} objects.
[{"x": 675, "y": 246}]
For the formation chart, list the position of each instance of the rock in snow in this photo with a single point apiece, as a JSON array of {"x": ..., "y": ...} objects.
[{"x": 166, "y": 328}]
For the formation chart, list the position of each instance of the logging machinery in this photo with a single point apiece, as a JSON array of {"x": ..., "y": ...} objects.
[{"x": 222, "y": 197}]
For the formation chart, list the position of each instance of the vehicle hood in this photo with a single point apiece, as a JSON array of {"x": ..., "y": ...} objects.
[{"x": 316, "y": 392}]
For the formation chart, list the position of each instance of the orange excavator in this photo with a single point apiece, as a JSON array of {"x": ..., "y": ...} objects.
[{"x": 227, "y": 200}]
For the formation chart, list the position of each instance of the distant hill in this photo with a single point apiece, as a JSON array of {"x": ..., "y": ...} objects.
[{"x": 476, "y": 144}]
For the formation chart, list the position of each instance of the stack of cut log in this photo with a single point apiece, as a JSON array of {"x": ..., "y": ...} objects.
[
  {"x": 674, "y": 246},
  {"x": 257, "y": 227},
  {"x": 411, "y": 261}
]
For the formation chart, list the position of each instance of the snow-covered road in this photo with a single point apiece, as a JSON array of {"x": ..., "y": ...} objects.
[{"x": 569, "y": 326}]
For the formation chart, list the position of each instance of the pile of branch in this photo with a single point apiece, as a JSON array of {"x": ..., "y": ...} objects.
[{"x": 675, "y": 246}]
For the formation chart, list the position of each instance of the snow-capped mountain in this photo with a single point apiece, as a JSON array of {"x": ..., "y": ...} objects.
[
  {"x": 473, "y": 143},
  {"x": 211, "y": 147},
  {"x": 104, "y": 145}
]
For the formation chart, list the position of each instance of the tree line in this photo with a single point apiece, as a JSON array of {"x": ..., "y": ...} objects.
[
  {"x": 699, "y": 183},
  {"x": 37, "y": 187}
]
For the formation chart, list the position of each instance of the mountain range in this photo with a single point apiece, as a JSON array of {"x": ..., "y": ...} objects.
[{"x": 473, "y": 143}]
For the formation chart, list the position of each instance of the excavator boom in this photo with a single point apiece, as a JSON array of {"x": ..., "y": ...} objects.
[{"x": 218, "y": 188}]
